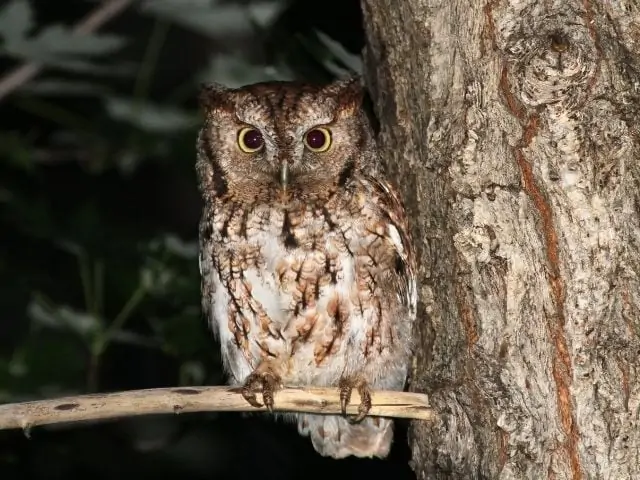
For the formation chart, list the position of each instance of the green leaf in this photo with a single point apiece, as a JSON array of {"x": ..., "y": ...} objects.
[
  {"x": 80, "y": 66},
  {"x": 156, "y": 278},
  {"x": 149, "y": 117},
  {"x": 214, "y": 19},
  {"x": 235, "y": 71},
  {"x": 176, "y": 246},
  {"x": 338, "y": 52},
  {"x": 56, "y": 45},
  {"x": 17, "y": 151},
  {"x": 47, "y": 364},
  {"x": 6, "y": 195},
  {"x": 59, "y": 40},
  {"x": 182, "y": 335},
  {"x": 16, "y": 21},
  {"x": 69, "y": 246},
  {"x": 63, "y": 87},
  {"x": 62, "y": 317},
  {"x": 132, "y": 338},
  {"x": 192, "y": 373},
  {"x": 32, "y": 216}
]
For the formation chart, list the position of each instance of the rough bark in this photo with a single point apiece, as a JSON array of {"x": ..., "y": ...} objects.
[{"x": 511, "y": 127}]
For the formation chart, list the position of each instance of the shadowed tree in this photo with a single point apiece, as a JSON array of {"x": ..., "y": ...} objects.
[{"x": 512, "y": 129}]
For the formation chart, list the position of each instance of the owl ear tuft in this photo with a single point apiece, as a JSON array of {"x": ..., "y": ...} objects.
[
  {"x": 348, "y": 92},
  {"x": 213, "y": 95}
]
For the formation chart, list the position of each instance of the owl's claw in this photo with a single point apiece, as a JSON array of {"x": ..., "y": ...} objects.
[
  {"x": 260, "y": 382},
  {"x": 346, "y": 387}
]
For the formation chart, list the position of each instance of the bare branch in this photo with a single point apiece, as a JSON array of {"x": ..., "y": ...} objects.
[
  {"x": 96, "y": 18},
  {"x": 202, "y": 399}
]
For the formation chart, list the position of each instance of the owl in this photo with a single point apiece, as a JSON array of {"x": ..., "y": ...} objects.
[{"x": 306, "y": 261}]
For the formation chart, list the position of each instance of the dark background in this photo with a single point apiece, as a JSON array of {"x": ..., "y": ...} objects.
[{"x": 98, "y": 225}]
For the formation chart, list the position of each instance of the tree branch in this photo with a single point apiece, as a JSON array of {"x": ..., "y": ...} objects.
[
  {"x": 202, "y": 399},
  {"x": 96, "y": 18}
]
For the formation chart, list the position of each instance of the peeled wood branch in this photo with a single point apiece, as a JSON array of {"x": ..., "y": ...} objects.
[{"x": 202, "y": 399}]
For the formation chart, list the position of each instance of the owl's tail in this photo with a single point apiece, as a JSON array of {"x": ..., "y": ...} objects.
[{"x": 333, "y": 436}]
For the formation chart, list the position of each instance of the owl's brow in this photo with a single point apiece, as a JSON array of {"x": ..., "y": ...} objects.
[{"x": 275, "y": 110}]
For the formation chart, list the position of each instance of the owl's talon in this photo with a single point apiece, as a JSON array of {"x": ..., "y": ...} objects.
[
  {"x": 250, "y": 397},
  {"x": 266, "y": 383},
  {"x": 346, "y": 387},
  {"x": 345, "y": 394},
  {"x": 365, "y": 403}
]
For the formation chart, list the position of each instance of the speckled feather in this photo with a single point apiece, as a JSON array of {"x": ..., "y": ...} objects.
[{"x": 316, "y": 282}]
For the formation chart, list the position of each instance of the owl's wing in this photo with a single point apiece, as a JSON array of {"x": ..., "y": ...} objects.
[
  {"x": 392, "y": 210},
  {"x": 206, "y": 267}
]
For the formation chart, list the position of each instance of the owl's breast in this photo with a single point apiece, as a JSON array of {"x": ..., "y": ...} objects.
[
  {"x": 284, "y": 279},
  {"x": 295, "y": 259},
  {"x": 305, "y": 285}
]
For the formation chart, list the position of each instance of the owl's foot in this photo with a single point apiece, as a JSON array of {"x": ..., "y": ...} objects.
[
  {"x": 264, "y": 382},
  {"x": 346, "y": 387}
]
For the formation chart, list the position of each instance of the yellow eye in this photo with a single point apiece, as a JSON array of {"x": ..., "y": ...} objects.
[
  {"x": 318, "y": 140},
  {"x": 250, "y": 140}
]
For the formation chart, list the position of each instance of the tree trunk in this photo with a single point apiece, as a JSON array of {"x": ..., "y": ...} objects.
[{"x": 512, "y": 129}]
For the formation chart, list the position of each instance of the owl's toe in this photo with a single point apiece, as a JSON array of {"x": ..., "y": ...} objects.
[
  {"x": 265, "y": 383},
  {"x": 365, "y": 403},
  {"x": 346, "y": 387}
]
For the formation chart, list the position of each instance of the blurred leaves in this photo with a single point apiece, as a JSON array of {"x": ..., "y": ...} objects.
[
  {"x": 55, "y": 45},
  {"x": 214, "y": 18},
  {"x": 336, "y": 58},
  {"x": 168, "y": 273},
  {"x": 16, "y": 150},
  {"x": 64, "y": 87},
  {"x": 149, "y": 117},
  {"x": 28, "y": 373},
  {"x": 16, "y": 21},
  {"x": 235, "y": 72},
  {"x": 44, "y": 315}
]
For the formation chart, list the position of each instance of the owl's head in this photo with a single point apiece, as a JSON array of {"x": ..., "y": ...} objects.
[{"x": 283, "y": 136}]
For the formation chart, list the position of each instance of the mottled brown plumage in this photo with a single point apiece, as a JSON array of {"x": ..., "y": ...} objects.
[{"x": 308, "y": 274}]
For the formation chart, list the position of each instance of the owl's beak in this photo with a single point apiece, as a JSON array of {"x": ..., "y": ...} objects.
[{"x": 284, "y": 175}]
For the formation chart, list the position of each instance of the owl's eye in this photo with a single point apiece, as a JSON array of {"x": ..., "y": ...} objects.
[
  {"x": 318, "y": 140},
  {"x": 250, "y": 140}
]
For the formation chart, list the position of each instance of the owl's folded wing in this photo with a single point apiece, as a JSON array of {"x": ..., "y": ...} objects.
[{"x": 391, "y": 209}]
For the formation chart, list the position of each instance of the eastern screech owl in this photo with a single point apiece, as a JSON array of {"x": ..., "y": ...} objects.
[{"x": 308, "y": 270}]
